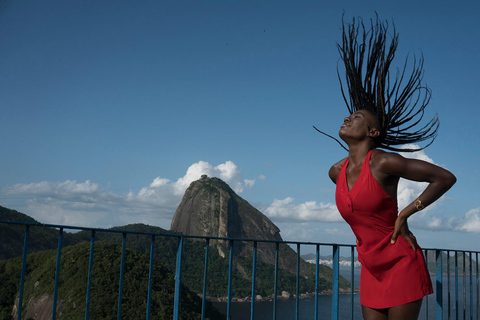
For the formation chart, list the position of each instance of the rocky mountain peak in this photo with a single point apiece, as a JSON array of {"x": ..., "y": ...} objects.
[{"x": 211, "y": 208}]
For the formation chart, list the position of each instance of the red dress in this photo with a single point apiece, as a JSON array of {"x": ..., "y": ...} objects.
[{"x": 391, "y": 275}]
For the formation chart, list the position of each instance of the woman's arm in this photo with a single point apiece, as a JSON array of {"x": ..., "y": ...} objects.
[
  {"x": 439, "y": 181},
  {"x": 335, "y": 170}
]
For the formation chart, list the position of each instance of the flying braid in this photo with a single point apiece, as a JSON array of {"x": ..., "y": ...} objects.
[{"x": 398, "y": 101}]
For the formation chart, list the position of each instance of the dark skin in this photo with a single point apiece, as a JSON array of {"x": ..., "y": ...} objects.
[
  {"x": 404, "y": 312},
  {"x": 359, "y": 131}
]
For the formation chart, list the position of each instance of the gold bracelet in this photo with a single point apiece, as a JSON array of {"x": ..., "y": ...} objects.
[{"x": 418, "y": 204}]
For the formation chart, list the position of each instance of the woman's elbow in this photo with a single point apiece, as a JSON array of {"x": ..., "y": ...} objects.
[{"x": 449, "y": 179}]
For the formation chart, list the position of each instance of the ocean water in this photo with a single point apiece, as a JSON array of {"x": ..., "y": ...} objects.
[{"x": 286, "y": 307}]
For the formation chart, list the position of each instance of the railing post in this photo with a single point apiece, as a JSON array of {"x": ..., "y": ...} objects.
[
  {"x": 317, "y": 274},
  {"x": 254, "y": 265},
  {"x": 439, "y": 283},
  {"x": 471, "y": 287},
  {"x": 448, "y": 285},
  {"x": 22, "y": 275},
  {"x": 150, "y": 276},
  {"x": 275, "y": 280},
  {"x": 230, "y": 269},
  {"x": 120, "y": 281},
  {"x": 335, "y": 279},
  {"x": 178, "y": 273},
  {"x": 464, "y": 285},
  {"x": 205, "y": 275},
  {"x": 297, "y": 296},
  {"x": 456, "y": 285},
  {"x": 57, "y": 274},
  {"x": 478, "y": 285},
  {"x": 426, "y": 297},
  {"x": 89, "y": 277},
  {"x": 352, "y": 279}
]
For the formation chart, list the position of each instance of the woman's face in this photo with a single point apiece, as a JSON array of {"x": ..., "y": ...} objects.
[{"x": 358, "y": 125}]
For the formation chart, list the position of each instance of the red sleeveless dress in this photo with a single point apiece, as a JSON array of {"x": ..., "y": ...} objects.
[{"x": 391, "y": 275}]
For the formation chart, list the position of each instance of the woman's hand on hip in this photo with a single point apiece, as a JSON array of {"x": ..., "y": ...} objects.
[{"x": 401, "y": 228}]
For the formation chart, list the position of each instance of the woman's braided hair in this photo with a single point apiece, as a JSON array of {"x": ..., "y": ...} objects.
[{"x": 399, "y": 108}]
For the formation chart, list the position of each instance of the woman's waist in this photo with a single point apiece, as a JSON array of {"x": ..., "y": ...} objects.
[{"x": 371, "y": 228}]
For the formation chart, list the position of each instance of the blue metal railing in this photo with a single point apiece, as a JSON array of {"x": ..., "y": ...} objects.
[
  {"x": 89, "y": 277},
  {"x": 120, "y": 282},
  {"x": 468, "y": 301}
]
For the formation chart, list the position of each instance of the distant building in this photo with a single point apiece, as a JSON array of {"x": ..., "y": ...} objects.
[{"x": 203, "y": 177}]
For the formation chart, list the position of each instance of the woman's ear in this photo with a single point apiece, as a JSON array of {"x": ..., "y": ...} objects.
[{"x": 374, "y": 132}]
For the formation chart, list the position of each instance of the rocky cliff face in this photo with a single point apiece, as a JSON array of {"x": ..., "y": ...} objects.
[{"x": 211, "y": 208}]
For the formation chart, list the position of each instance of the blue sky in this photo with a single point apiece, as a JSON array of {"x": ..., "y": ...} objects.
[{"x": 109, "y": 109}]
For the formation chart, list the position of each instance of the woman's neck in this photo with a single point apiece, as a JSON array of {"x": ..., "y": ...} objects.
[{"x": 357, "y": 153}]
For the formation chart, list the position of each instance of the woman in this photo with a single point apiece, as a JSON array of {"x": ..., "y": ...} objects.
[{"x": 394, "y": 276}]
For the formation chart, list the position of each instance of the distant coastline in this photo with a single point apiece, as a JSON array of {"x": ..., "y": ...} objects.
[
  {"x": 280, "y": 297},
  {"x": 342, "y": 263}
]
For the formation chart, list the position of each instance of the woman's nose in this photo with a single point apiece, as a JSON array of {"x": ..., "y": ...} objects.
[{"x": 346, "y": 119}]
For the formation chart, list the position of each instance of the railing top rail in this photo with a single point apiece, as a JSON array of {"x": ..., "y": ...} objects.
[
  {"x": 451, "y": 250},
  {"x": 58, "y": 226}
]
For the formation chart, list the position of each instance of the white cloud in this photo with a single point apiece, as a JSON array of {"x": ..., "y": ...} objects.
[
  {"x": 249, "y": 183},
  {"x": 300, "y": 231},
  {"x": 228, "y": 172},
  {"x": 470, "y": 221},
  {"x": 65, "y": 188},
  {"x": 432, "y": 221},
  {"x": 194, "y": 172},
  {"x": 409, "y": 190},
  {"x": 311, "y": 210},
  {"x": 262, "y": 177},
  {"x": 419, "y": 155},
  {"x": 334, "y": 231},
  {"x": 87, "y": 204},
  {"x": 435, "y": 223},
  {"x": 315, "y": 231},
  {"x": 294, "y": 216}
]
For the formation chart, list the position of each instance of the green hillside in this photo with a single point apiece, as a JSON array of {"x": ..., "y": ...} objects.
[
  {"x": 194, "y": 259},
  {"x": 39, "y": 286},
  {"x": 13, "y": 235},
  {"x": 431, "y": 262}
]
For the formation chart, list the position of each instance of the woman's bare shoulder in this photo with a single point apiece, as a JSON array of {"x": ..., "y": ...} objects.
[
  {"x": 386, "y": 162},
  {"x": 335, "y": 170}
]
